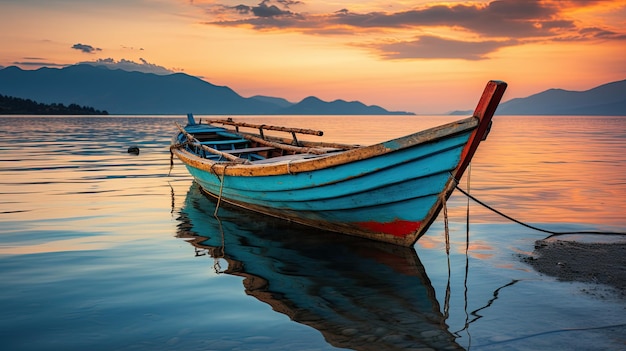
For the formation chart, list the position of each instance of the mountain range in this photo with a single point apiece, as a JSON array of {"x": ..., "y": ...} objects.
[
  {"x": 137, "y": 93},
  {"x": 123, "y": 92},
  {"x": 604, "y": 100}
]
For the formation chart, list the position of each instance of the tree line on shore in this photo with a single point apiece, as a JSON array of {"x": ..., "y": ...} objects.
[{"x": 17, "y": 106}]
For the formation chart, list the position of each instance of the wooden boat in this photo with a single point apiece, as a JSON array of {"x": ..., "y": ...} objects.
[
  {"x": 391, "y": 191},
  {"x": 360, "y": 294}
]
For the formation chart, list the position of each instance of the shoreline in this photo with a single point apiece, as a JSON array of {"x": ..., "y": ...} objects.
[{"x": 596, "y": 263}]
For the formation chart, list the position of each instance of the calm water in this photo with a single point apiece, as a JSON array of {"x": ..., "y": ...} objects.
[{"x": 103, "y": 250}]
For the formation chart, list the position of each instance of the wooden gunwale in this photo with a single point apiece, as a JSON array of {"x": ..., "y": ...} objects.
[{"x": 331, "y": 160}]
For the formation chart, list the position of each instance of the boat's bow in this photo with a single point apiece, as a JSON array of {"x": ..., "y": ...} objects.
[{"x": 484, "y": 112}]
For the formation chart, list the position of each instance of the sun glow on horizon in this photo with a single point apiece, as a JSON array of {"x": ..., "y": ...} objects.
[{"x": 401, "y": 55}]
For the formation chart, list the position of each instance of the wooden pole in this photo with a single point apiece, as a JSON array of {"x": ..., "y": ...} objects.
[
  {"x": 268, "y": 127},
  {"x": 292, "y": 148}
]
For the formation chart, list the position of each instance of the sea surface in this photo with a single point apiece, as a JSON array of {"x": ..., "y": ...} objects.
[{"x": 105, "y": 250}]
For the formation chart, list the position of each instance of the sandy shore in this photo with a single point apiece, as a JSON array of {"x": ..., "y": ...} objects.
[{"x": 600, "y": 263}]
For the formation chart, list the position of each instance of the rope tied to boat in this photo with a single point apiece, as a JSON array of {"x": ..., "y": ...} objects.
[
  {"x": 174, "y": 146},
  {"x": 551, "y": 232},
  {"x": 222, "y": 180},
  {"x": 219, "y": 252},
  {"x": 446, "y": 305},
  {"x": 445, "y": 223}
]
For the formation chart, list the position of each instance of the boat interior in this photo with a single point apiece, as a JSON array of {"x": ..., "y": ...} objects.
[{"x": 220, "y": 144}]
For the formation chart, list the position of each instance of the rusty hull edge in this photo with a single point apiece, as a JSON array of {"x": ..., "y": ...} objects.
[{"x": 331, "y": 160}]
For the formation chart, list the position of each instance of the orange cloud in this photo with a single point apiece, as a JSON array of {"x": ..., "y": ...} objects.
[{"x": 461, "y": 31}]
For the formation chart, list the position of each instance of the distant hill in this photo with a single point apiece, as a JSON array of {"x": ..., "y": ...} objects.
[
  {"x": 15, "y": 106},
  {"x": 314, "y": 106},
  {"x": 279, "y": 102},
  {"x": 123, "y": 92},
  {"x": 604, "y": 100}
]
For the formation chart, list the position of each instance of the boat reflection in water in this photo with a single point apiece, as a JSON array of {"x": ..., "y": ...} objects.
[{"x": 358, "y": 293}]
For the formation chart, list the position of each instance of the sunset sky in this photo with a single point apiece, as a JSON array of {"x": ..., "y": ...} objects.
[{"x": 420, "y": 56}]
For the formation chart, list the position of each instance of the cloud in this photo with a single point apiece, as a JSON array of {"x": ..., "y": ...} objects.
[
  {"x": 274, "y": 12},
  {"x": 132, "y": 48},
  {"x": 88, "y": 49},
  {"x": 129, "y": 65},
  {"x": 262, "y": 10},
  {"x": 32, "y": 61},
  {"x": 480, "y": 28},
  {"x": 431, "y": 47},
  {"x": 39, "y": 64},
  {"x": 266, "y": 8},
  {"x": 510, "y": 18},
  {"x": 123, "y": 64},
  {"x": 497, "y": 19}
]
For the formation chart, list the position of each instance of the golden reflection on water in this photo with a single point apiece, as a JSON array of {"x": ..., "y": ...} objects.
[
  {"x": 77, "y": 244},
  {"x": 555, "y": 169},
  {"x": 75, "y": 174},
  {"x": 478, "y": 249},
  {"x": 429, "y": 242},
  {"x": 69, "y": 184}
]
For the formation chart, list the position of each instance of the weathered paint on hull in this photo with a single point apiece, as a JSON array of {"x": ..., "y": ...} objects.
[
  {"x": 386, "y": 197},
  {"x": 389, "y": 192}
]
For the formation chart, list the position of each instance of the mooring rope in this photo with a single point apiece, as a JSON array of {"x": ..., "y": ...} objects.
[
  {"x": 466, "y": 276},
  {"x": 446, "y": 305},
  {"x": 552, "y": 233},
  {"x": 172, "y": 147},
  {"x": 445, "y": 223},
  {"x": 219, "y": 198},
  {"x": 171, "y": 162},
  {"x": 172, "y": 158},
  {"x": 219, "y": 252}
]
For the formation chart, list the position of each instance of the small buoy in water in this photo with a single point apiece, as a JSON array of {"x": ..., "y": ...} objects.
[{"x": 133, "y": 150}]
